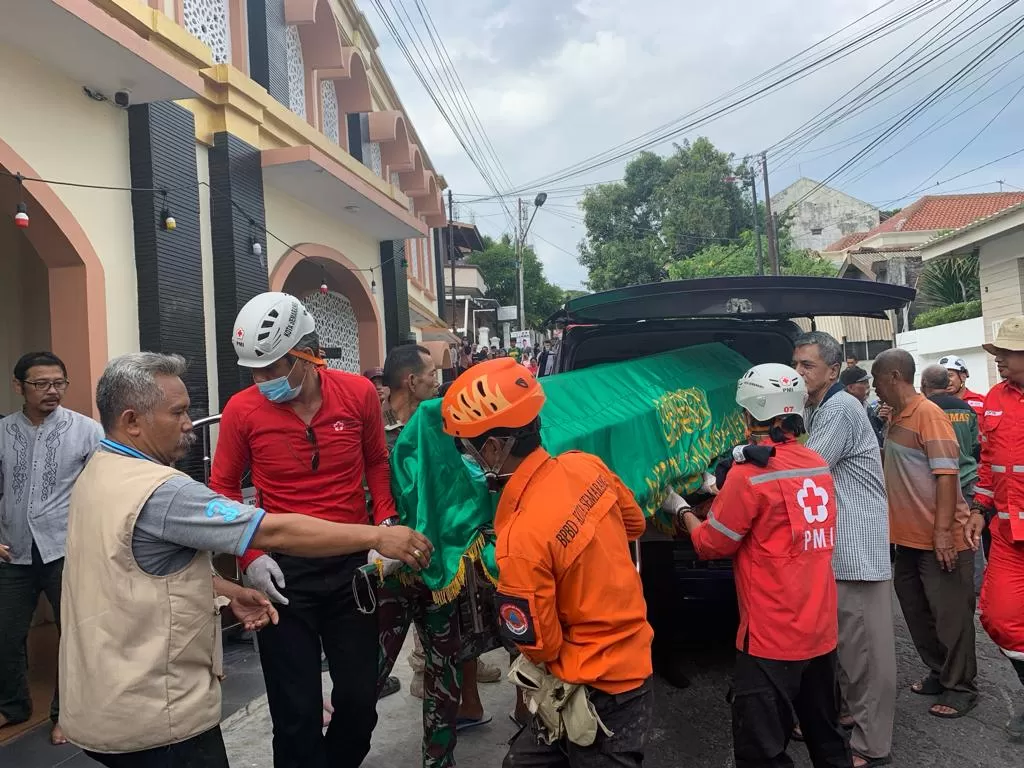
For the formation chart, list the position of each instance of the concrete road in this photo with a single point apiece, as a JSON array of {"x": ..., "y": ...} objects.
[{"x": 692, "y": 725}]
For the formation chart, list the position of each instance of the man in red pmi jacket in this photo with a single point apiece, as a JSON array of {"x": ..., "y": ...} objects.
[
  {"x": 999, "y": 502},
  {"x": 775, "y": 515},
  {"x": 308, "y": 435}
]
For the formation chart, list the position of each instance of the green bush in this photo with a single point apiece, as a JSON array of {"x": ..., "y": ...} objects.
[{"x": 949, "y": 314}]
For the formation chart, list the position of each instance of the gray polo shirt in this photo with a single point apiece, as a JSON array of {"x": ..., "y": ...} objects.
[
  {"x": 183, "y": 517},
  {"x": 840, "y": 432},
  {"x": 38, "y": 467}
]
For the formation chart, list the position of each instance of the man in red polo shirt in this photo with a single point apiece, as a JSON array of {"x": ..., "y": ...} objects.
[{"x": 308, "y": 435}]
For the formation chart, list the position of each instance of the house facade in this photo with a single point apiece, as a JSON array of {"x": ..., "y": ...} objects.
[
  {"x": 176, "y": 157},
  {"x": 819, "y": 215}
]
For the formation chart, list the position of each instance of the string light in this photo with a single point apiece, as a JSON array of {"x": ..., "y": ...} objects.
[
  {"x": 166, "y": 220},
  {"x": 21, "y": 210},
  {"x": 323, "y": 281},
  {"x": 373, "y": 284}
]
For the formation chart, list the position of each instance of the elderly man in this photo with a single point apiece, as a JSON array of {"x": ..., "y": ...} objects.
[
  {"x": 43, "y": 447},
  {"x": 996, "y": 502},
  {"x": 309, "y": 435},
  {"x": 934, "y": 567},
  {"x": 839, "y": 431},
  {"x": 140, "y": 651}
]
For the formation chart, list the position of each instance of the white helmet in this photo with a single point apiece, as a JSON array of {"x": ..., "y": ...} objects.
[
  {"x": 268, "y": 328},
  {"x": 954, "y": 363},
  {"x": 771, "y": 390}
]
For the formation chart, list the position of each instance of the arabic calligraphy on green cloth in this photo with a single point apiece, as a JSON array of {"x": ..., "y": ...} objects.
[{"x": 657, "y": 421}]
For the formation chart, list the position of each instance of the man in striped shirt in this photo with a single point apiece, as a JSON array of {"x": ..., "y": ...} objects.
[
  {"x": 934, "y": 567},
  {"x": 840, "y": 432}
]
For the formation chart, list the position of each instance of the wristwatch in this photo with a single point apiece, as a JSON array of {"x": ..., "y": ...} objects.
[{"x": 393, "y": 520}]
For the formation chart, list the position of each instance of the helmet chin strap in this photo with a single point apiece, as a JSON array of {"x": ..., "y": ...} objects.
[{"x": 493, "y": 474}]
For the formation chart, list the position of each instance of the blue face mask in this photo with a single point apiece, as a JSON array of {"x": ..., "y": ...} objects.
[
  {"x": 476, "y": 472},
  {"x": 280, "y": 390}
]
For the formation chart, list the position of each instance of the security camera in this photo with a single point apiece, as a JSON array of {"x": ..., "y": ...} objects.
[{"x": 123, "y": 98}]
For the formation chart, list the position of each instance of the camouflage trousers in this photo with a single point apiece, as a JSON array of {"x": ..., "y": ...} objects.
[{"x": 439, "y": 631}]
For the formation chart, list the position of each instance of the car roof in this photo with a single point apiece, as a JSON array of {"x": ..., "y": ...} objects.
[{"x": 750, "y": 297}]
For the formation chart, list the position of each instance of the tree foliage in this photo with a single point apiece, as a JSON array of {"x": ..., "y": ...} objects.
[
  {"x": 944, "y": 282},
  {"x": 740, "y": 258},
  {"x": 665, "y": 210},
  {"x": 497, "y": 263}
]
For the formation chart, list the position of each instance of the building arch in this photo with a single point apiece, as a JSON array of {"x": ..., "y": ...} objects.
[
  {"x": 301, "y": 271},
  {"x": 73, "y": 275}
]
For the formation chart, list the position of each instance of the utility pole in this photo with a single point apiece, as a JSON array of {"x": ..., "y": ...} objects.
[
  {"x": 520, "y": 247},
  {"x": 451, "y": 254},
  {"x": 757, "y": 225},
  {"x": 773, "y": 252}
]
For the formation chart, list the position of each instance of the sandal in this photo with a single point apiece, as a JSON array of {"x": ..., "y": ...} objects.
[
  {"x": 872, "y": 762},
  {"x": 929, "y": 686},
  {"x": 961, "y": 702}
]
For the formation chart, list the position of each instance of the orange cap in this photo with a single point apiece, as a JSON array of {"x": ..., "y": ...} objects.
[{"x": 494, "y": 394}]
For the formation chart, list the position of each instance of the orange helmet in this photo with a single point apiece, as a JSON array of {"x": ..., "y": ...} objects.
[{"x": 494, "y": 394}]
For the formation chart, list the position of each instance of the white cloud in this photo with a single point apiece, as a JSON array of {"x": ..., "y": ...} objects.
[{"x": 556, "y": 81}]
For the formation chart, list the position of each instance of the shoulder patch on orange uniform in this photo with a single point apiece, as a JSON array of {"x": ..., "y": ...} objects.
[{"x": 516, "y": 619}]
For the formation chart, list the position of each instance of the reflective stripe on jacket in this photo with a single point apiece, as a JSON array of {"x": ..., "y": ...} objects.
[
  {"x": 1001, "y": 470},
  {"x": 778, "y": 525}
]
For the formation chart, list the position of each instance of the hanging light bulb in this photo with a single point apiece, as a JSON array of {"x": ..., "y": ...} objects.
[
  {"x": 257, "y": 248},
  {"x": 21, "y": 210},
  {"x": 166, "y": 220},
  {"x": 21, "y": 216},
  {"x": 323, "y": 288},
  {"x": 373, "y": 287}
]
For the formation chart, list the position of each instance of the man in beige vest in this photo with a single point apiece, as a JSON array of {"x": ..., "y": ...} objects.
[{"x": 140, "y": 651}]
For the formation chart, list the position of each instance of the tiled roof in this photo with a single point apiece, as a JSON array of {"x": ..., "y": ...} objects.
[
  {"x": 845, "y": 242},
  {"x": 947, "y": 212}
]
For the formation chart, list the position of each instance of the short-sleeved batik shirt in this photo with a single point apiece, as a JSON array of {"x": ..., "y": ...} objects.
[{"x": 921, "y": 446}]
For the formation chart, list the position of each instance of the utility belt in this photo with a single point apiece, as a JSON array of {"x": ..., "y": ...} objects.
[
  {"x": 562, "y": 710},
  {"x": 475, "y": 605}
]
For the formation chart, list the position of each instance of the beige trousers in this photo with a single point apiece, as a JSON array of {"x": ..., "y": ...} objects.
[{"x": 867, "y": 663}]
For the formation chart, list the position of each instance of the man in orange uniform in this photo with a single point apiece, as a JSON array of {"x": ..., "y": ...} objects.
[
  {"x": 776, "y": 517},
  {"x": 999, "y": 501},
  {"x": 569, "y": 595}
]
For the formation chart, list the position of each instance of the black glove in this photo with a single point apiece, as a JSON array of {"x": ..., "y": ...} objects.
[{"x": 752, "y": 452}]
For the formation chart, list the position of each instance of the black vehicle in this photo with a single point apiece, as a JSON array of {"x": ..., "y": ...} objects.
[{"x": 755, "y": 316}]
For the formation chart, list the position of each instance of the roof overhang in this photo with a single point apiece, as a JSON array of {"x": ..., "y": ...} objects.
[
  {"x": 963, "y": 241},
  {"x": 307, "y": 174},
  {"x": 467, "y": 236},
  {"x": 96, "y": 50}
]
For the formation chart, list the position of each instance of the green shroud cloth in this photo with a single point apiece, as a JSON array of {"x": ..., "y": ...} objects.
[{"x": 657, "y": 422}]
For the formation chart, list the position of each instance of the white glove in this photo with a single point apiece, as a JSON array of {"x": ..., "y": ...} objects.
[
  {"x": 263, "y": 574},
  {"x": 674, "y": 503},
  {"x": 388, "y": 565},
  {"x": 710, "y": 484}
]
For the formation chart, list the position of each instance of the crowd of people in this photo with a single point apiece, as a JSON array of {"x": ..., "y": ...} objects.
[{"x": 832, "y": 505}]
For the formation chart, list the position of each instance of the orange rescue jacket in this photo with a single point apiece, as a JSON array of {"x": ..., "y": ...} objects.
[{"x": 569, "y": 595}]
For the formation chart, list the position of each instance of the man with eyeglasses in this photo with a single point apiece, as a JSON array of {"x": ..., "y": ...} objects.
[
  {"x": 308, "y": 434},
  {"x": 43, "y": 448}
]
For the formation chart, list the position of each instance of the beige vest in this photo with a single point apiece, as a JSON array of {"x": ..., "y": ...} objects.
[{"x": 139, "y": 654}]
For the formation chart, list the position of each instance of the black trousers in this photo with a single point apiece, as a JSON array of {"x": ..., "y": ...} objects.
[
  {"x": 770, "y": 697},
  {"x": 203, "y": 751},
  {"x": 627, "y": 715},
  {"x": 20, "y": 587},
  {"x": 321, "y": 612}
]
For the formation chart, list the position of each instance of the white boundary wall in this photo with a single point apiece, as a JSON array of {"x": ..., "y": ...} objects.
[{"x": 963, "y": 339}]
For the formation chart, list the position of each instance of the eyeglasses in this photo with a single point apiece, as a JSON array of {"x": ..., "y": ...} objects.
[
  {"x": 42, "y": 386},
  {"x": 314, "y": 463}
]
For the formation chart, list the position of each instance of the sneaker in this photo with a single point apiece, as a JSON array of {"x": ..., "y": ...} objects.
[
  {"x": 487, "y": 673},
  {"x": 416, "y": 687}
]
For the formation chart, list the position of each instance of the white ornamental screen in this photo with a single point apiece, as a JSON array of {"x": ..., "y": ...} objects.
[
  {"x": 209, "y": 21},
  {"x": 337, "y": 325},
  {"x": 296, "y": 72},
  {"x": 329, "y": 110}
]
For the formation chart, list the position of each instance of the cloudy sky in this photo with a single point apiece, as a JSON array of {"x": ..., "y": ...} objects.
[{"x": 555, "y": 82}]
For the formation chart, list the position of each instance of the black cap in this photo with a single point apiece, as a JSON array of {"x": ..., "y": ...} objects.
[{"x": 854, "y": 375}]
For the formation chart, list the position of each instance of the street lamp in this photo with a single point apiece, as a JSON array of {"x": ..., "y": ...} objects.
[{"x": 538, "y": 201}]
